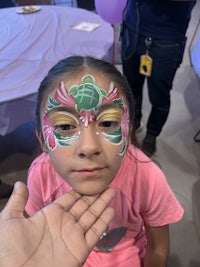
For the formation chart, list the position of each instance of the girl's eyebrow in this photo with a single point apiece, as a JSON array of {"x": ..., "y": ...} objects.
[
  {"x": 109, "y": 105},
  {"x": 62, "y": 108}
]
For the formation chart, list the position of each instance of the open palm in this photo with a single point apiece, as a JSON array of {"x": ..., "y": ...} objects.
[{"x": 61, "y": 234}]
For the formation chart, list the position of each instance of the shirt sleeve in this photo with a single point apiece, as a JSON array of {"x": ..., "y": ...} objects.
[
  {"x": 35, "y": 199},
  {"x": 160, "y": 205}
]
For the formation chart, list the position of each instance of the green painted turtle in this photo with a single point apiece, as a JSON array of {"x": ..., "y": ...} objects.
[{"x": 87, "y": 95}]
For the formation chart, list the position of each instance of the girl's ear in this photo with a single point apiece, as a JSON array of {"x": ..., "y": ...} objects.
[{"x": 41, "y": 140}]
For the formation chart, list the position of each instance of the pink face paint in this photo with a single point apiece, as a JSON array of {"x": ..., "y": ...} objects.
[{"x": 48, "y": 133}]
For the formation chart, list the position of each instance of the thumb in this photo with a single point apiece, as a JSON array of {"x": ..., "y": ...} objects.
[{"x": 17, "y": 201}]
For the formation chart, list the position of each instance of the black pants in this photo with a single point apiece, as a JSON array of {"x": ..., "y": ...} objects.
[{"x": 167, "y": 55}]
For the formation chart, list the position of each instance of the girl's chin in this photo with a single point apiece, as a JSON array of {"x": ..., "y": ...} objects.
[{"x": 88, "y": 191}]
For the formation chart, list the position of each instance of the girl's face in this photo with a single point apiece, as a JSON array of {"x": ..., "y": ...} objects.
[{"x": 85, "y": 126}]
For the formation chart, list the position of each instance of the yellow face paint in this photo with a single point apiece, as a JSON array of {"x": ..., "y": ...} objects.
[
  {"x": 64, "y": 123},
  {"x": 114, "y": 113},
  {"x": 110, "y": 119}
]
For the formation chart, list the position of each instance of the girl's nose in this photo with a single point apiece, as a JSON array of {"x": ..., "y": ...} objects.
[{"x": 88, "y": 142}]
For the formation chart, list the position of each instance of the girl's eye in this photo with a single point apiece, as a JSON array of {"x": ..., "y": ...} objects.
[
  {"x": 64, "y": 124},
  {"x": 65, "y": 129},
  {"x": 110, "y": 120},
  {"x": 109, "y": 126}
]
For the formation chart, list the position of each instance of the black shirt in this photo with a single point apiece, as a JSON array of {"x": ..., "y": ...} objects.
[{"x": 160, "y": 19}]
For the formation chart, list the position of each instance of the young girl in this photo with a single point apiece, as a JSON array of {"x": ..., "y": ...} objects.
[{"x": 85, "y": 126}]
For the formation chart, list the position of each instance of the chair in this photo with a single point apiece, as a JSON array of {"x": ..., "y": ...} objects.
[
  {"x": 196, "y": 138},
  {"x": 7, "y": 3},
  {"x": 86, "y": 4},
  {"x": 34, "y": 2},
  {"x": 71, "y": 3}
]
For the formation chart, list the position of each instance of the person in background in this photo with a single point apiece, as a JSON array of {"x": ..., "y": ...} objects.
[
  {"x": 7, "y": 3},
  {"x": 61, "y": 234},
  {"x": 153, "y": 42},
  {"x": 85, "y": 112}
]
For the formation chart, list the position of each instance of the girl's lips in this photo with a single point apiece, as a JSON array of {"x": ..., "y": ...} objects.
[{"x": 89, "y": 172}]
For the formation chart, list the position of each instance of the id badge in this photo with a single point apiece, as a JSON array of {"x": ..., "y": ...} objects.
[{"x": 145, "y": 65}]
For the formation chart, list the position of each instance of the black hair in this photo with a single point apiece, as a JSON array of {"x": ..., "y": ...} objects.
[{"x": 77, "y": 64}]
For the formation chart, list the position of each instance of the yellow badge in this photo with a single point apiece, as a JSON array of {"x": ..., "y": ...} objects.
[{"x": 145, "y": 65}]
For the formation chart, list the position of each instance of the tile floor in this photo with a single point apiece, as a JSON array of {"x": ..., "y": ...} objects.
[{"x": 177, "y": 153}]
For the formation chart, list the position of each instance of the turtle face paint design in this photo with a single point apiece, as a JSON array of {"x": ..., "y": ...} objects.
[{"x": 87, "y": 100}]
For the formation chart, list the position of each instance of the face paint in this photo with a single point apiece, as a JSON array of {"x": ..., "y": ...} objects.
[
  {"x": 48, "y": 133},
  {"x": 60, "y": 118},
  {"x": 86, "y": 99},
  {"x": 117, "y": 133},
  {"x": 58, "y": 129}
]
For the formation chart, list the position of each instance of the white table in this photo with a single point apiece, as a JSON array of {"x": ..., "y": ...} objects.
[{"x": 30, "y": 44}]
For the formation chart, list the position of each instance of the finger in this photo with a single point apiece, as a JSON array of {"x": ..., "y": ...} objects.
[
  {"x": 68, "y": 199},
  {"x": 88, "y": 208},
  {"x": 94, "y": 211},
  {"x": 17, "y": 201},
  {"x": 93, "y": 234}
]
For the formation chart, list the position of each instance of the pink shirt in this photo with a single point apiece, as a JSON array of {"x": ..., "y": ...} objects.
[{"x": 142, "y": 196}]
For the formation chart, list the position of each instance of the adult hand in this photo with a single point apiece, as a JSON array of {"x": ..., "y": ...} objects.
[{"x": 61, "y": 234}]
